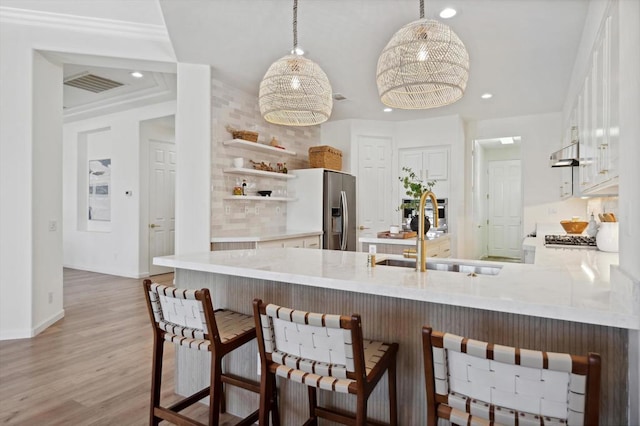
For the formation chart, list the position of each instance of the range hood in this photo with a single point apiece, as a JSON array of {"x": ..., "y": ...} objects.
[{"x": 566, "y": 157}]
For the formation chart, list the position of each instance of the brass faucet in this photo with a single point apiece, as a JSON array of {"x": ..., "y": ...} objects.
[{"x": 421, "y": 245}]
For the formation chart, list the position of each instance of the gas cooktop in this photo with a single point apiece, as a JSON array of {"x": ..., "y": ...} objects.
[{"x": 570, "y": 241}]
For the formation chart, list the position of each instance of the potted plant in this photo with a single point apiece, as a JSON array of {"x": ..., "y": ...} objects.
[{"x": 414, "y": 188}]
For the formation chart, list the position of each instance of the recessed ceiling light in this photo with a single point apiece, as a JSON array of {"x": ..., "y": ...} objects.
[
  {"x": 506, "y": 141},
  {"x": 137, "y": 74},
  {"x": 387, "y": 109},
  {"x": 448, "y": 13},
  {"x": 486, "y": 96}
]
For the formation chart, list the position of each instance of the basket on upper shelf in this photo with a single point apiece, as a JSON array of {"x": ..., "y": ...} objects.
[
  {"x": 245, "y": 135},
  {"x": 326, "y": 157}
]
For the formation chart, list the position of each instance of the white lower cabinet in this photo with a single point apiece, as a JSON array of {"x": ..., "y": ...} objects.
[
  {"x": 312, "y": 241},
  {"x": 299, "y": 242},
  {"x": 439, "y": 247}
]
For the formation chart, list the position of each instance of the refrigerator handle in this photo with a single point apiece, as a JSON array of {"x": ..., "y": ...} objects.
[{"x": 345, "y": 221}]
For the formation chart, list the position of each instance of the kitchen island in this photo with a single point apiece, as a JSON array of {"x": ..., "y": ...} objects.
[
  {"x": 439, "y": 246},
  {"x": 551, "y": 308}
]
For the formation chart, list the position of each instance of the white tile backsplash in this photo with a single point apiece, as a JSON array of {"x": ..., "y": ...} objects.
[{"x": 238, "y": 109}]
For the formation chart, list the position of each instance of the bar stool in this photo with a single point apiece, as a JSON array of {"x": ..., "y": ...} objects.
[
  {"x": 325, "y": 352},
  {"x": 187, "y": 319},
  {"x": 479, "y": 383}
]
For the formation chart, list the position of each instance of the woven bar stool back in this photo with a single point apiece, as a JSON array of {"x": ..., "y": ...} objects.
[
  {"x": 324, "y": 352},
  {"x": 186, "y": 318},
  {"x": 473, "y": 382}
]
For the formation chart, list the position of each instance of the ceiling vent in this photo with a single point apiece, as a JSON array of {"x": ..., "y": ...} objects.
[
  {"x": 338, "y": 97},
  {"x": 92, "y": 83}
]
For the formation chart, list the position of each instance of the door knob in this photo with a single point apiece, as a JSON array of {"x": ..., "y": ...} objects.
[
  {"x": 152, "y": 225},
  {"x": 362, "y": 227}
]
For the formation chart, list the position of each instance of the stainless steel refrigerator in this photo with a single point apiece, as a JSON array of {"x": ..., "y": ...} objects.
[{"x": 325, "y": 201}]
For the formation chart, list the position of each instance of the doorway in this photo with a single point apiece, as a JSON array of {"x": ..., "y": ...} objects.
[
  {"x": 159, "y": 134},
  {"x": 504, "y": 209},
  {"x": 497, "y": 198},
  {"x": 131, "y": 113},
  {"x": 374, "y": 185}
]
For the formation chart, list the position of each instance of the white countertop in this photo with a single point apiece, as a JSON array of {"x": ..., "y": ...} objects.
[
  {"x": 242, "y": 237},
  {"x": 570, "y": 286}
]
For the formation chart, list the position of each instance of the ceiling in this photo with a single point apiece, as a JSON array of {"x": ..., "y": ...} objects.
[
  {"x": 152, "y": 87},
  {"x": 521, "y": 51}
]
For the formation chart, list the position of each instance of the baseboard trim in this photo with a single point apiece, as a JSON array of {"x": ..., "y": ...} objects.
[
  {"x": 29, "y": 333},
  {"x": 47, "y": 323},
  {"x": 105, "y": 271},
  {"x": 15, "y": 334}
]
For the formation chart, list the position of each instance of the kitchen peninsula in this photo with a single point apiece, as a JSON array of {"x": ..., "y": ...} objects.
[{"x": 547, "y": 307}]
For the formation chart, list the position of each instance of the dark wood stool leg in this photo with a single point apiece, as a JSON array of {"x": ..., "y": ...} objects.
[
  {"x": 275, "y": 413},
  {"x": 267, "y": 381},
  {"x": 361, "y": 409},
  {"x": 313, "y": 404},
  {"x": 215, "y": 390},
  {"x": 393, "y": 400},
  {"x": 156, "y": 379}
]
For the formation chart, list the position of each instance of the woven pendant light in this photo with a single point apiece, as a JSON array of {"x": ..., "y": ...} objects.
[
  {"x": 424, "y": 65},
  {"x": 295, "y": 91}
]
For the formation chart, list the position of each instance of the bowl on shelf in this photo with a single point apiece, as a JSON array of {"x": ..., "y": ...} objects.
[
  {"x": 574, "y": 227},
  {"x": 265, "y": 193}
]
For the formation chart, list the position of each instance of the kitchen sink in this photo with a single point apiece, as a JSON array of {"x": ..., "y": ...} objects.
[{"x": 467, "y": 268}]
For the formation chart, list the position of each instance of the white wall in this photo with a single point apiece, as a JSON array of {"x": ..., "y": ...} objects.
[
  {"x": 47, "y": 193},
  {"x": 115, "y": 248},
  {"x": 20, "y": 139},
  {"x": 193, "y": 144}
]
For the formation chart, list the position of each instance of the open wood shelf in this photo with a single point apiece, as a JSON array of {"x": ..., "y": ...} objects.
[
  {"x": 241, "y": 171},
  {"x": 256, "y": 198},
  {"x": 255, "y": 146}
]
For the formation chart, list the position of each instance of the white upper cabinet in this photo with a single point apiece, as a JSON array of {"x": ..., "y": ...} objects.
[
  {"x": 596, "y": 111},
  {"x": 427, "y": 163}
]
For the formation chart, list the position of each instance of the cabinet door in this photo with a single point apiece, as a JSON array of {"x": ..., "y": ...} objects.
[
  {"x": 311, "y": 242},
  {"x": 436, "y": 163},
  {"x": 599, "y": 140},
  {"x": 293, "y": 242},
  {"x": 566, "y": 182},
  {"x": 411, "y": 158},
  {"x": 426, "y": 163},
  {"x": 270, "y": 244},
  {"x": 445, "y": 248},
  {"x": 433, "y": 250}
]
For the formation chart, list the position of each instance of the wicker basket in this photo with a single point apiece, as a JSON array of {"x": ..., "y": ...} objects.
[
  {"x": 326, "y": 157},
  {"x": 245, "y": 135}
]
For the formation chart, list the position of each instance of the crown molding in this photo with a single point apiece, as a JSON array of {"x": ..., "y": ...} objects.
[{"x": 78, "y": 23}]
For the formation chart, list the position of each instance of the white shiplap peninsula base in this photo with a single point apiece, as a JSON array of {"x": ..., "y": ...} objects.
[{"x": 394, "y": 304}]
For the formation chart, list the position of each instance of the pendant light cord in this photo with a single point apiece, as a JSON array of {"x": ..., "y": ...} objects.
[
  {"x": 295, "y": 24},
  {"x": 421, "y": 9}
]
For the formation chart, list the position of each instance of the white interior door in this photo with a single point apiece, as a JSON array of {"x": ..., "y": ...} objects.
[
  {"x": 505, "y": 209},
  {"x": 374, "y": 185},
  {"x": 162, "y": 178}
]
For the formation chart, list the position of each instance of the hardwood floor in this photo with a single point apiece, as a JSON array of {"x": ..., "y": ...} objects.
[{"x": 93, "y": 367}]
